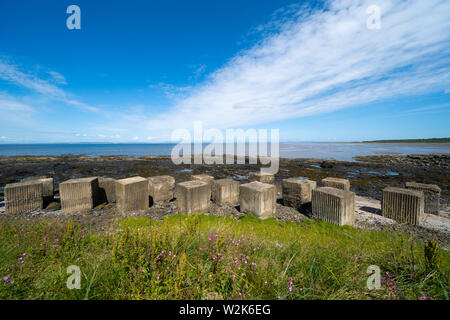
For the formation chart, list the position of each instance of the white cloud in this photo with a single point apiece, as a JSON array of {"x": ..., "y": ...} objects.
[
  {"x": 433, "y": 108},
  {"x": 57, "y": 77},
  {"x": 11, "y": 73},
  {"x": 99, "y": 135},
  {"x": 171, "y": 91},
  {"x": 321, "y": 61},
  {"x": 11, "y": 104}
]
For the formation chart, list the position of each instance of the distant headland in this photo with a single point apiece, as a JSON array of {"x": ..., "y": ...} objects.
[{"x": 431, "y": 140}]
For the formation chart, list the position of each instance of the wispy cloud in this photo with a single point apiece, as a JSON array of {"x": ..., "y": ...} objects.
[
  {"x": 321, "y": 60},
  {"x": 57, "y": 77},
  {"x": 444, "y": 107},
  {"x": 171, "y": 91},
  {"x": 10, "y": 104},
  {"x": 11, "y": 73}
]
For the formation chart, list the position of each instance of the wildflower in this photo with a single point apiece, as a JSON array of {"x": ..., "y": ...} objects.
[
  {"x": 7, "y": 279},
  {"x": 265, "y": 282},
  {"x": 157, "y": 277},
  {"x": 290, "y": 289}
]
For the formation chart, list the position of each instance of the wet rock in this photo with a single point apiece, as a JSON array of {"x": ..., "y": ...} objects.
[
  {"x": 53, "y": 206},
  {"x": 326, "y": 165}
]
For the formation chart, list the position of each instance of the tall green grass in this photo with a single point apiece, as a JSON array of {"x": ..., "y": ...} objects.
[{"x": 209, "y": 257}]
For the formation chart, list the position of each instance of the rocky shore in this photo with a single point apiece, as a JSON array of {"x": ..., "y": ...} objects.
[{"x": 368, "y": 176}]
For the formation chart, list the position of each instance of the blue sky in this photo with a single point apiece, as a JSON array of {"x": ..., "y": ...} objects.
[{"x": 138, "y": 70}]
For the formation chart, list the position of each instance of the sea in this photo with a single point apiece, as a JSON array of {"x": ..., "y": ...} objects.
[{"x": 344, "y": 151}]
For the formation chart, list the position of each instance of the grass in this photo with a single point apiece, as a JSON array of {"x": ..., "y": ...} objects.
[{"x": 209, "y": 257}]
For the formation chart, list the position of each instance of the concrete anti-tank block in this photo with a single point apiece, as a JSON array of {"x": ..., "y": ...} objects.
[
  {"x": 225, "y": 191},
  {"x": 160, "y": 188},
  {"x": 297, "y": 192},
  {"x": 403, "y": 205},
  {"x": 203, "y": 177},
  {"x": 432, "y": 195},
  {"x": 107, "y": 190},
  {"x": 23, "y": 197},
  {"x": 193, "y": 196},
  {"x": 78, "y": 194},
  {"x": 48, "y": 187},
  {"x": 258, "y": 198},
  {"x": 261, "y": 177},
  {"x": 333, "y": 205},
  {"x": 132, "y": 194},
  {"x": 337, "y": 183}
]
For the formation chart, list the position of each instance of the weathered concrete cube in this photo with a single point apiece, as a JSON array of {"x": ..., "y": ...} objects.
[
  {"x": 297, "y": 192},
  {"x": 333, "y": 205},
  {"x": 432, "y": 195},
  {"x": 23, "y": 197},
  {"x": 259, "y": 199},
  {"x": 203, "y": 177},
  {"x": 107, "y": 190},
  {"x": 261, "y": 177},
  {"x": 403, "y": 205},
  {"x": 160, "y": 188},
  {"x": 337, "y": 183},
  {"x": 132, "y": 194},
  {"x": 225, "y": 191},
  {"x": 193, "y": 196},
  {"x": 78, "y": 194},
  {"x": 48, "y": 188}
]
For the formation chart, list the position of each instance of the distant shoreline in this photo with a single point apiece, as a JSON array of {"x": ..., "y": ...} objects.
[
  {"x": 431, "y": 140},
  {"x": 326, "y": 151}
]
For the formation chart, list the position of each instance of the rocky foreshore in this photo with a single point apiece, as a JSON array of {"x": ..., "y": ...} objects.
[{"x": 368, "y": 175}]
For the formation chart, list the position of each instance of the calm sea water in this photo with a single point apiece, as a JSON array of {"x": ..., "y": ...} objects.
[{"x": 318, "y": 150}]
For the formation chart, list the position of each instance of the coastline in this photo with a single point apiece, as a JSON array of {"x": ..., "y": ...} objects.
[{"x": 368, "y": 175}]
